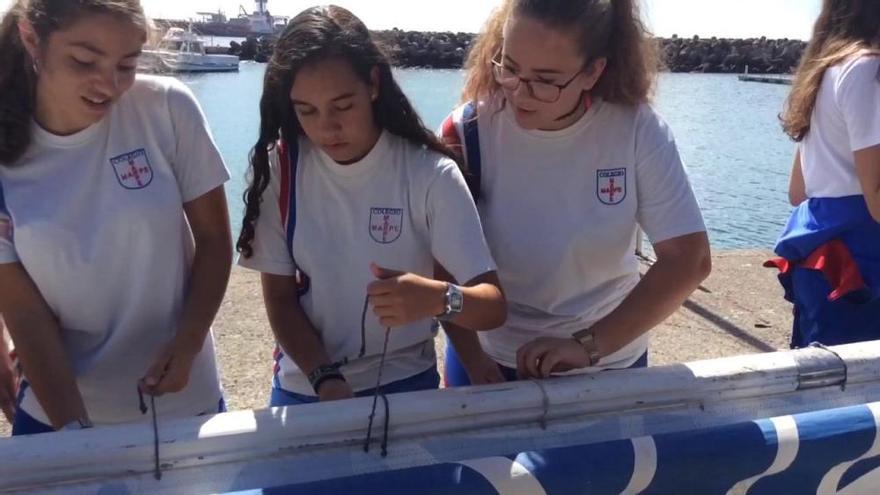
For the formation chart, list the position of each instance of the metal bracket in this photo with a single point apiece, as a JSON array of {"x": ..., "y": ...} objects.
[{"x": 819, "y": 366}]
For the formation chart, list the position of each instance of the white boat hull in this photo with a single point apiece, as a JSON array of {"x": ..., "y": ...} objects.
[
  {"x": 160, "y": 61},
  {"x": 804, "y": 419}
]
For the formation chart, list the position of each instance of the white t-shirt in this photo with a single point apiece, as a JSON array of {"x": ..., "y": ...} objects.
[
  {"x": 401, "y": 207},
  {"x": 560, "y": 211},
  {"x": 97, "y": 221},
  {"x": 845, "y": 119}
]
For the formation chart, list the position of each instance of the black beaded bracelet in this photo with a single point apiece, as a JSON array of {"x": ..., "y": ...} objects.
[
  {"x": 332, "y": 376},
  {"x": 323, "y": 373}
]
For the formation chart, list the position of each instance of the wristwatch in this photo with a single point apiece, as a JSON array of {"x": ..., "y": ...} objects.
[
  {"x": 323, "y": 373},
  {"x": 587, "y": 339},
  {"x": 453, "y": 303}
]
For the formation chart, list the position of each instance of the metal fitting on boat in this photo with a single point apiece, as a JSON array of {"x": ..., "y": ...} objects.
[{"x": 818, "y": 366}]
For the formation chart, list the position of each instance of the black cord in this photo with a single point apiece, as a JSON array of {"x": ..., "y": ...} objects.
[
  {"x": 376, "y": 394},
  {"x": 387, "y": 422},
  {"x": 364, "y": 327},
  {"x": 157, "y": 468},
  {"x": 342, "y": 362}
]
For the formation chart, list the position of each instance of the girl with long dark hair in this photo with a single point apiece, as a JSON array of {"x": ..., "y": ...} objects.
[{"x": 352, "y": 205}]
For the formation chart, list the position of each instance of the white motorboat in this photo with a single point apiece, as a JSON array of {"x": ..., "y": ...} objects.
[{"x": 182, "y": 51}]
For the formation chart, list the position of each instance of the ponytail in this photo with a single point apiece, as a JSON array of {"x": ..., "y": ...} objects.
[
  {"x": 17, "y": 83},
  {"x": 633, "y": 58}
]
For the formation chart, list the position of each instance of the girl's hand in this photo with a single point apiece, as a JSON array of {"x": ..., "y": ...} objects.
[
  {"x": 482, "y": 369},
  {"x": 170, "y": 371},
  {"x": 334, "y": 390},
  {"x": 545, "y": 355},
  {"x": 8, "y": 384},
  {"x": 399, "y": 298}
]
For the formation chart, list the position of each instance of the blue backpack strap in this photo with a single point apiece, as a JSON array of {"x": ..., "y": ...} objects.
[
  {"x": 289, "y": 155},
  {"x": 292, "y": 162},
  {"x": 6, "y": 229},
  {"x": 472, "y": 147}
]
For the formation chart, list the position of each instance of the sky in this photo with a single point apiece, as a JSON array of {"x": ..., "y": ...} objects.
[{"x": 686, "y": 18}]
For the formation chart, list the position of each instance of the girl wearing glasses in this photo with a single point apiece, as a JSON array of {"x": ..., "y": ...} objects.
[
  {"x": 830, "y": 260},
  {"x": 350, "y": 205},
  {"x": 115, "y": 246},
  {"x": 571, "y": 161}
]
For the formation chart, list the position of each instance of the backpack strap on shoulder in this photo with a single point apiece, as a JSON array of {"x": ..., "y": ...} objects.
[
  {"x": 470, "y": 129},
  {"x": 288, "y": 154}
]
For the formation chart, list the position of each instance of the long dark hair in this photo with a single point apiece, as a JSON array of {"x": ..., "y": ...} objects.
[
  {"x": 605, "y": 28},
  {"x": 18, "y": 76},
  {"x": 317, "y": 34},
  {"x": 843, "y": 29}
]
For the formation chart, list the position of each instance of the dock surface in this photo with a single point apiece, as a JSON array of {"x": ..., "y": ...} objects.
[{"x": 740, "y": 310}]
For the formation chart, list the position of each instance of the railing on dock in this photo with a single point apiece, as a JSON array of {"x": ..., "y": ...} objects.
[{"x": 765, "y": 78}]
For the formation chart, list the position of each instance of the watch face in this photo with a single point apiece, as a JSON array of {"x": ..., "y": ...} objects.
[{"x": 456, "y": 299}]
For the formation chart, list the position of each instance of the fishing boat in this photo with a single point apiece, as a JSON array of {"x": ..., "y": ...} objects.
[
  {"x": 258, "y": 22},
  {"x": 181, "y": 50},
  {"x": 803, "y": 421}
]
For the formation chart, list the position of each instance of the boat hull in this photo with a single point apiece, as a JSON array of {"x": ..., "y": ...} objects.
[
  {"x": 802, "y": 421},
  {"x": 161, "y": 61}
]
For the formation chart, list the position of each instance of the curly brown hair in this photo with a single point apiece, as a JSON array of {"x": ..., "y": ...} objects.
[
  {"x": 843, "y": 29},
  {"x": 606, "y": 28}
]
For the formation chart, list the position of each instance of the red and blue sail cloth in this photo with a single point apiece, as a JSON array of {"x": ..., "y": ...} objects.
[{"x": 829, "y": 266}]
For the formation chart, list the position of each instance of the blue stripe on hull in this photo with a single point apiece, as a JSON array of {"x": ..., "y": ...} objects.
[
  {"x": 713, "y": 460},
  {"x": 825, "y": 440},
  {"x": 439, "y": 479},
  {"x": 702, "y": 461}
]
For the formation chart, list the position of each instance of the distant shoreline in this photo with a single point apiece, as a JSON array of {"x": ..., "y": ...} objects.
[
  {"x": 448, "y": 50},
  {"x": 694, "y": 54}
]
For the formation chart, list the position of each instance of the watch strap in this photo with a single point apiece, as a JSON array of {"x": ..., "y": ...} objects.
[
  {"x": 454, "y": 300},
  {"x": 587, "y": 339}
]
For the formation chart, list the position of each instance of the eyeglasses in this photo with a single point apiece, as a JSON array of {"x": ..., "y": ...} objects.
[{"x": 542, "y": 91}]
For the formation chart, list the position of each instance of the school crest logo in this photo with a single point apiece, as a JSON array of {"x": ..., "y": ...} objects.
[
  {"x": 611, "y": 185},
  {"x": 386, "y": 224},
  {"x": 133, "y": 169}
]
